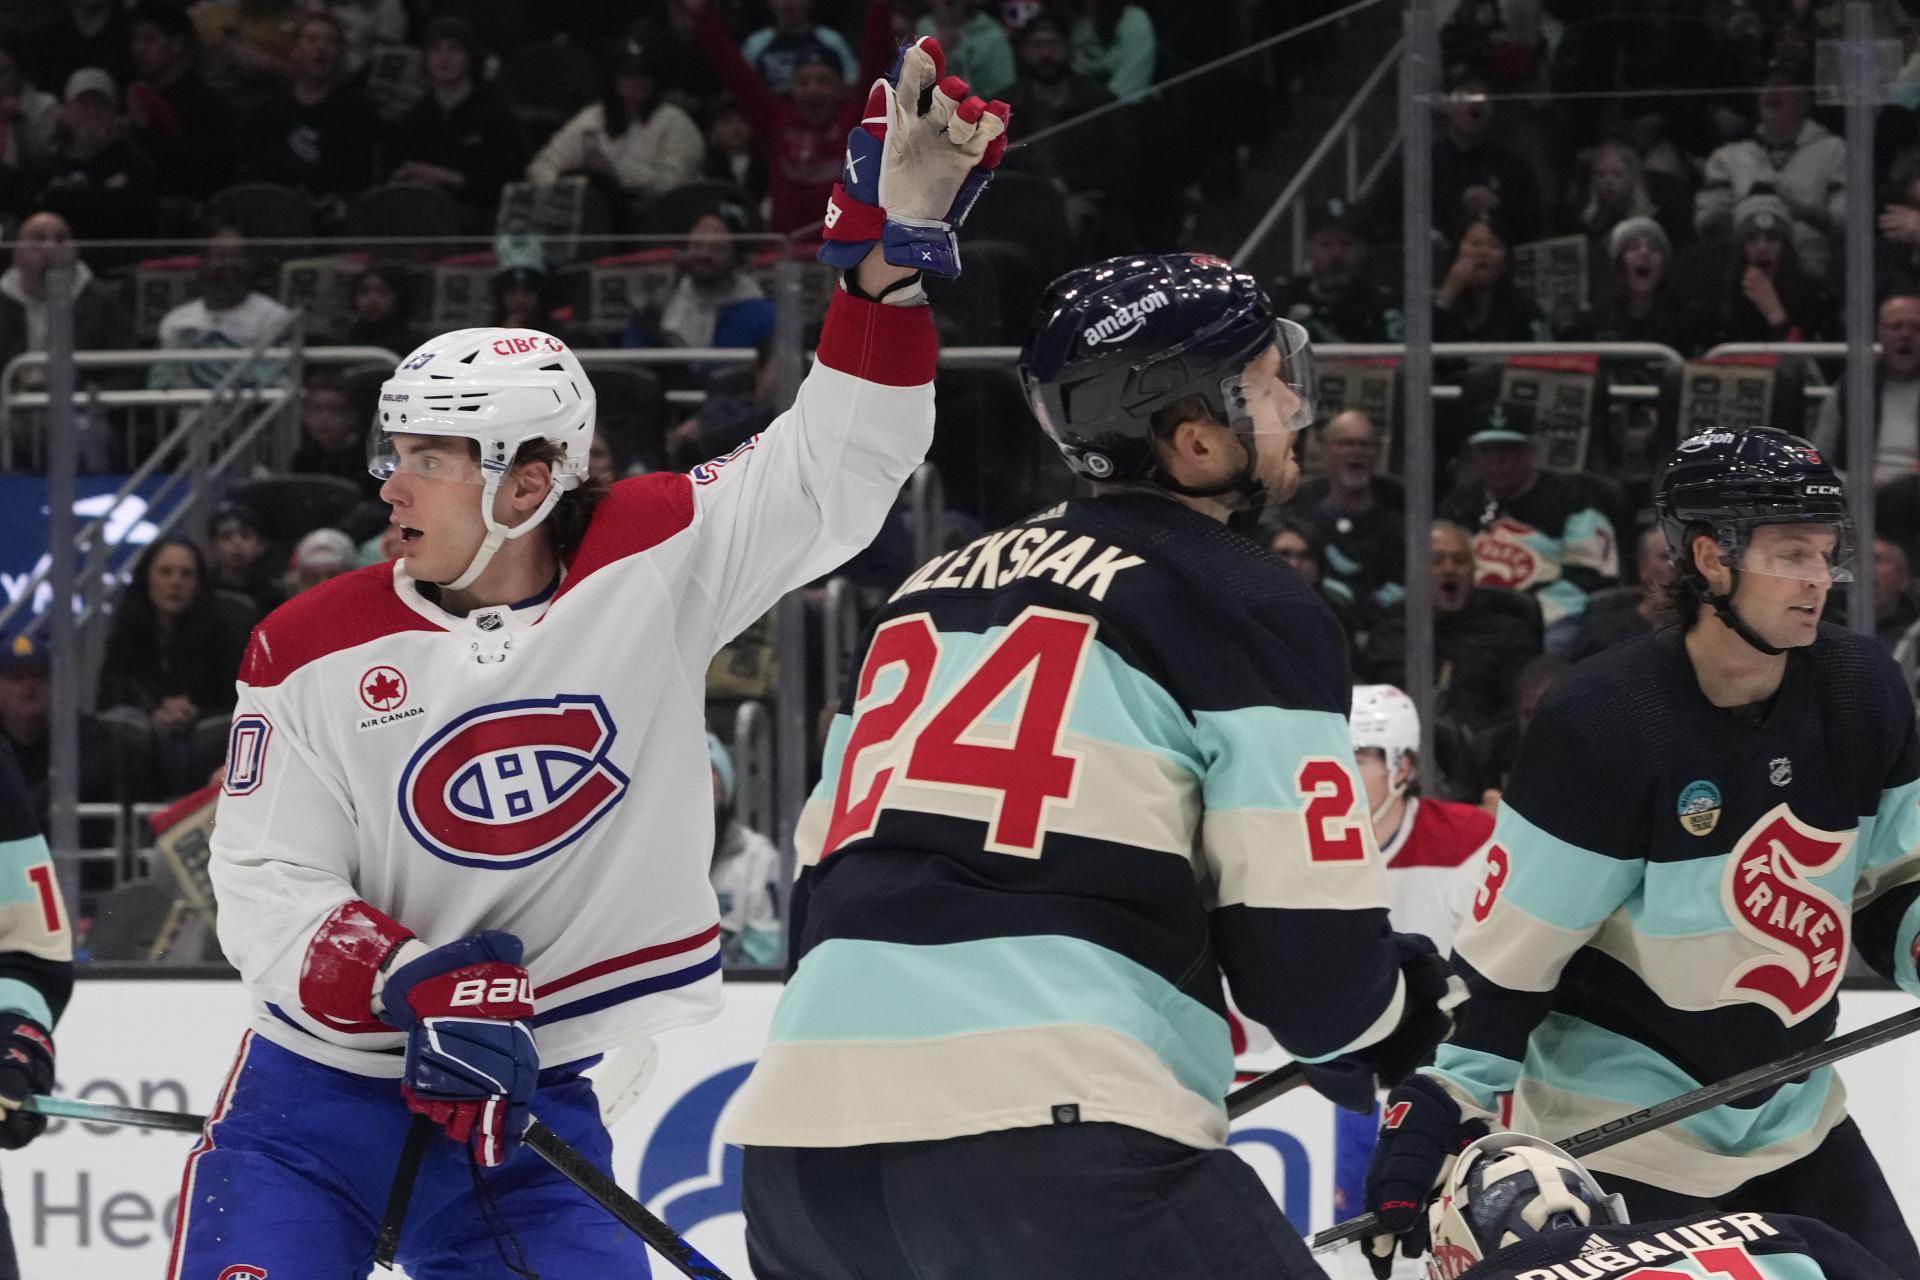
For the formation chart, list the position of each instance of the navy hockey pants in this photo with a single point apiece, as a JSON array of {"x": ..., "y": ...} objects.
[
  {"x": 291, "y": 1179},
  {"x": 1838, "y": 1182},
  {"x": 1049, "y": 1203}
]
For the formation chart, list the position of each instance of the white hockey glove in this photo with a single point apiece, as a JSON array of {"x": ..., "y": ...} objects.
[{"x": 909, "y": 177}]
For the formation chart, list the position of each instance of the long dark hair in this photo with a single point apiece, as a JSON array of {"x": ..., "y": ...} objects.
[{"x": 136, "y": 626}]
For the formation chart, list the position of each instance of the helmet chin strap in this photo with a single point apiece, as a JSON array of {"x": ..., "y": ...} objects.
[
  {"x": 1723, "y": 607},
  {"x": 1394, "y": 791},
  {"x": 498, "y": 533}
]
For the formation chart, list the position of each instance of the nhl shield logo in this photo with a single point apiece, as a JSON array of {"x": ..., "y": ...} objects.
[{"x": 1780, "y": 771}]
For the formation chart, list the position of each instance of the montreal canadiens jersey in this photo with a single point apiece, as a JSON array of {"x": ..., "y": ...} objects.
[
  {"x": 1434, "y": 866},
  {"x": 542, "y": 769},
  {"x": 1091, "y": 762},
  {"x": 1732, "y": 1246},
  {"x": 1553, "y": 541},
  {"x": 36, "y": 944},
  {"x": 1671, "y": 896}
]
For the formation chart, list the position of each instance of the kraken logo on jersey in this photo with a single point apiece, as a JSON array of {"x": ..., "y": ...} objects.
[
  {"x": 508, "y": 784},
  {"x": 1770, "y": 897}
]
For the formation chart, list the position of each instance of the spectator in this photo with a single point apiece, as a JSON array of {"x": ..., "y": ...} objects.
[
  {"x": 1477, "y": 302},
  {"x": 1896, "y": 254},
  {"x": 1482, "y": 637},
  {"x": 249, "y": 45},
  {"x": 632, "y": 138},
  {"x": 100, "y": 319},
  {"x": 86, "y": 33},
  {"x": 26, "y": 725},
  {"x": 97, "y": 180},
  {"x": 229, "y": 315},
  {"x": 1491, "y": 750},
  {"x": 975, "y": 43},
  {"x": 1638, "y": 301},
  {"x": 1619, "y": 614},
  {"x": 237, "y": 559},
  {"x": 738, "y": 405},
  {"x": 1765, "y": 295},
  {"x": 745, "y": 875},
  {"x": 1788, "y": 156},
  {"x": 380, "y": 317},
  {"x": 29, "y": 122},
  {"x": 1357, "y": 514},
  {"x": 805, "y": 137},
  {"x": 321, "y": 555},
  {"x": 1619, "y": 188},
  {"x": 1896, "y": 397},
  {"x": 459, "y": 137},
  {"x": 1046, "y": 94},
  {"x": 1473, "y": 175},
  {"x": 1298, "y": 543},
  {"x": 520, "y": 301},
  {"x": 1336, "y": 301},
  {"x": 608, "y": 460},
  {"x": 184, "y": 125},
  {"x": 317, "y": 134},
  {"x": 712, "y": 303},
  {"x": 1113, "y": 46},
  {"x": 171, "y": 657},
  {"x": 733, "y": 153},
  {"x": 777, "y": 51},
  {"x": 1894, "y": 608},
  {"x": 333, "y": 439},
  {"x": 367, "y": 26},
  {"x": 1534, "y": 531}
]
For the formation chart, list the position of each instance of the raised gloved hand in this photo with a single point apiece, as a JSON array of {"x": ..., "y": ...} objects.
[
  {"x": 26, "y": 1068},
  {"x": 472, "y": 1065},
  {"x": 910, "y": 177},
  {"x": 1422, "y": 1132}
]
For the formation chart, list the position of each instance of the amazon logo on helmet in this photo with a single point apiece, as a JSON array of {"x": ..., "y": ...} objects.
[{"x": 1124, "y": 320}]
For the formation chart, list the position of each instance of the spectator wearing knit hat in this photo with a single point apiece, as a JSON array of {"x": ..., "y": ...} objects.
[
  {"x": 1636, "y": 300},
  {"x": 1765, "y": 293},
  {"x": 321, "y": 555}
]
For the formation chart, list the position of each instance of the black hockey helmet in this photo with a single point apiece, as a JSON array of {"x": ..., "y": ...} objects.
[
  {"x": 1732, "y": 482},
  {"x": 1113, "y": 342}
]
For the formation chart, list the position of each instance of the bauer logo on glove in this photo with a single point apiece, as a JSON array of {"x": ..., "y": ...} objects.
[{"x": 909, "y": 177}]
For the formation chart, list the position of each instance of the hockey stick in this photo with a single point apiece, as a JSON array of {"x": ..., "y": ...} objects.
[
  {"x": 1691, "y": 1103},
  {"x": 544, "y": 1142},
  {"x": 387, "y": 1244},
  {"x": 1264, "y": 1090}
]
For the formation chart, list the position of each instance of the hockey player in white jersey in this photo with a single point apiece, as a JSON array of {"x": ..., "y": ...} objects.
[{"x": 464, "y": 838}]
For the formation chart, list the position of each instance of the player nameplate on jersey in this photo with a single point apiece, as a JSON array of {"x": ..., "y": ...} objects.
[{"x": 1699, "y": 807}]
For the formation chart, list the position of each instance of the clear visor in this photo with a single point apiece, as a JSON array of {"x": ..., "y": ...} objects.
[
  {"x": 1803, "y": 552},
  {"x": 1275, "y": 393},
  {"x": 426, "y": 457}
]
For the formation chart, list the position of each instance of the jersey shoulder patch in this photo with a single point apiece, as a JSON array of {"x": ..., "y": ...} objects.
[{"x": 339, "y": 614}]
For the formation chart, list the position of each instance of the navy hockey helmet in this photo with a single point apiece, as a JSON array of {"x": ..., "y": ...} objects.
[
  {"x": 1506, "y": 1188},
  {"x": 1113, "y": 342}
]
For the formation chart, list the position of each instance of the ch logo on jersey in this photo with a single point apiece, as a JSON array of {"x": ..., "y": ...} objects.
[
  {"x": 243, "y": 1271},
  {"x": 1769, "y": 894},
  {"x": 1505, "y": 556},
  {"x": 508, "y": 784}
]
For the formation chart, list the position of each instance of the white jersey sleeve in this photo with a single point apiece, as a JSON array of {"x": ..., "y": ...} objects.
[{"x": 811, "y": 491}]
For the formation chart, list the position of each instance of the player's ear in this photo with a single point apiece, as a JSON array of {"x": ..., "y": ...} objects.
[
  {"x": 1708, "y": 559},
  {"x": 529, "y": 484}
]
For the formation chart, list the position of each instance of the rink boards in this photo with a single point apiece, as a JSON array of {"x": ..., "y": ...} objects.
[{"x": 97, "y": 1204}]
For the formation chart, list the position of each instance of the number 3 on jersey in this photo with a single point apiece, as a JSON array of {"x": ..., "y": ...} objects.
[{"x": 1022, "y": 767}]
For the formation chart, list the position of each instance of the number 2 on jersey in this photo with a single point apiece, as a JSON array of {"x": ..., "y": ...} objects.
[{"x": 1040, "y": 656}]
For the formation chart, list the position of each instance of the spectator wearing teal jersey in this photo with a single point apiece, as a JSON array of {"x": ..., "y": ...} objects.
[
  {"x": 975, "y": 43},
  {"x": 1113, "y": 45},
  {"x": 774, "y": 51}
]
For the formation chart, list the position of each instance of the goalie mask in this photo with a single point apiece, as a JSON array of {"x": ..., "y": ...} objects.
[
  {"x": 499, "y": 388},
  {"x": 1506, "y": 1188}
]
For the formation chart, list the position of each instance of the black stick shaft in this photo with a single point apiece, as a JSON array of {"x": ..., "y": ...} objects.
[
  {"x": 387, "y": 1244},
  {"x": 1268, "y": 1087},
  {"x": 580, "y": 1171},
  {"x": 1692, "y": 1103}
]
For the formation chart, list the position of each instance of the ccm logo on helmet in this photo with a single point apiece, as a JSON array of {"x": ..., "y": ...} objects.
[
  {"x": 1125, "y": 320},
  {"x": 520, "y": 346},
  {"x": 1823, "y": 491},
  {"x": 508, "y": 784}
]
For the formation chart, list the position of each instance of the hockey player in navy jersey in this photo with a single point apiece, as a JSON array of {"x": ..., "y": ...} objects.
[
  {"x": 1515, "y": 1207},
  {"x": 464, "y": 837},
  {"x": 1091, "y": 762},
  {"x": 1701, "y": 828}
]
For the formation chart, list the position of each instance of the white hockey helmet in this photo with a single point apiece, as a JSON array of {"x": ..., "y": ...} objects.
[
  {"x": 1509, "y": 1187},
  {"x": 499, "y": 388},
  {"x": 1385, "y": 719}
]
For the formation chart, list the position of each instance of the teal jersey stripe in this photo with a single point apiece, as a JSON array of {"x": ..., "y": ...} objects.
[
  {"x": 1484, "y": 1076},
  {"x": 855, "y": 989},
  {"x": 1573, "y": 1055},
  {"x": 1557, "y": 882},
  {"x": 1893, "y": 830},
  {"x": 1253, "y": 755},
  {"x": 21, "y": 998},
  {"x": 1782, "y": 1266},
  {"x": 1683, "y": 898},
  {"x": 15, "y": 857},
  {"x": 831, "y": 756}
]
